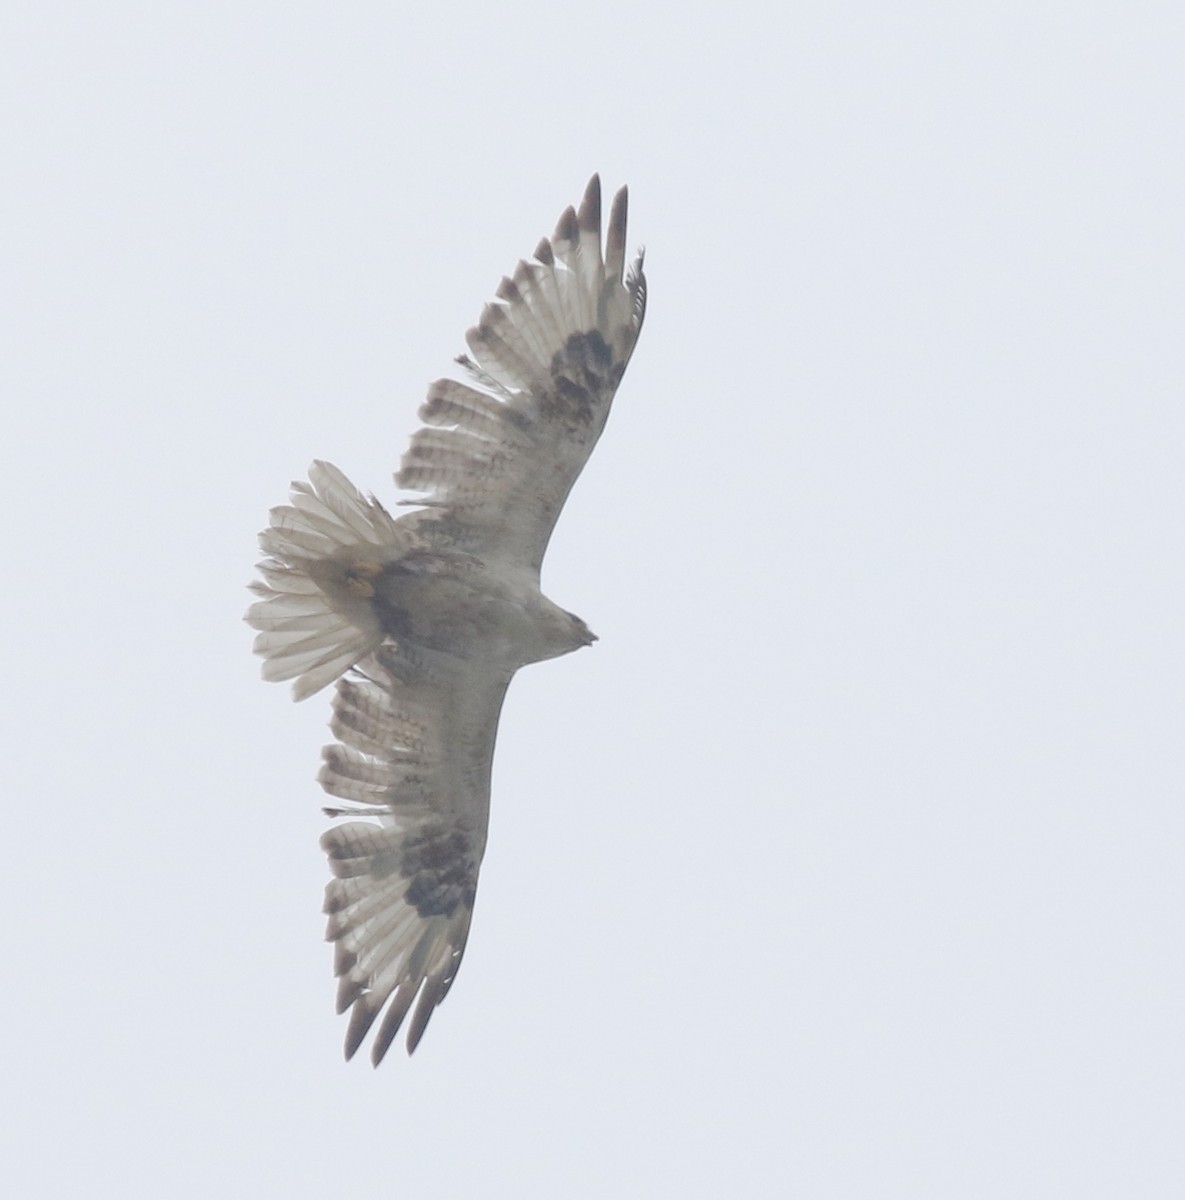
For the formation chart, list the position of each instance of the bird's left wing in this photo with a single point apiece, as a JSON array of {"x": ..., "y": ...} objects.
[{"x": 415, "y": 745}]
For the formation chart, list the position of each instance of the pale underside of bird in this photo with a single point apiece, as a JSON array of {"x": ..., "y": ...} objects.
[{"x": 422, "y": 620}]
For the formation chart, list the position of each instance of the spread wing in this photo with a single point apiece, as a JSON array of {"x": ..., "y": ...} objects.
[
  {"x": 416, "y": 740},
  {"x": 497, "y": 460}
]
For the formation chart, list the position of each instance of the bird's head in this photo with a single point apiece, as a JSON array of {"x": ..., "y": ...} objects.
[{"x": 580, "y": 631}]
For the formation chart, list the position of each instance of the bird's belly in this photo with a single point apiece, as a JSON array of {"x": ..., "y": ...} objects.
[{"x": 459, "y": 617}]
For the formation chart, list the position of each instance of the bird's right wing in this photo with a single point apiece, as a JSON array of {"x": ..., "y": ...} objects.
[{"x": 498, "y": 457}]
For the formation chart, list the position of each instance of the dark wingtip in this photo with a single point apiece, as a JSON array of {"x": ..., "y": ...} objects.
[
  {"x": 361, "y": 1019},
  {"x": 430, "y": 997},
  {"x": 567, "y": 228},
  {"x": 508, "y": 290},
  {"x": 400, "y": 1003},
  {"x": 615, "y": 234},
  {"x": 589, "y": 217}
]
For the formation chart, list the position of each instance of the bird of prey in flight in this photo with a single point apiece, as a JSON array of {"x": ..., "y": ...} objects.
[{"x": 420, "y": 621}]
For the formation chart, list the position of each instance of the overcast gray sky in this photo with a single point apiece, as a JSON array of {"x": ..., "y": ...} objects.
[{"x": 848, "y": 863}]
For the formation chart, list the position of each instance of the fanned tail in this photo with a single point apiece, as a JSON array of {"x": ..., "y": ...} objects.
[{"x": 315, "y": 618}]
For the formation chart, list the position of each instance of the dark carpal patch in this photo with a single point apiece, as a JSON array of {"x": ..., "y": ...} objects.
[
  {"x": 440, "y": 866},
  {"x": 582, "y": 373}
]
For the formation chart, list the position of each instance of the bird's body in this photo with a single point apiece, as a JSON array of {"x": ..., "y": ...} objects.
[
  {"x": 460, "y": 605},
  {"x": 423, "y": 620}
]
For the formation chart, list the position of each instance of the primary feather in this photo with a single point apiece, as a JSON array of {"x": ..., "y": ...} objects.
[{"x": 423, "y": 619}]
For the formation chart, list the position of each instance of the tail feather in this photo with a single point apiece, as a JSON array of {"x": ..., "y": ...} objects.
[{"x": 315, "y": 619}]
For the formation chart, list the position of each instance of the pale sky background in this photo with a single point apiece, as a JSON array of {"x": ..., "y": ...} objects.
[{"x": 848, "y": 863}]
